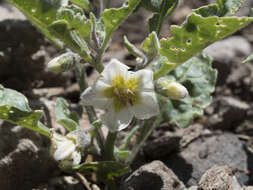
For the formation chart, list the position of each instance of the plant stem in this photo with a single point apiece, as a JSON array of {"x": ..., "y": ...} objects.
[
  {"x": 92, "y": 116},
  {"x": 109, "y": 146},
  {"x": 108, "y": 3},
  {"x": 143, "y": 136}
]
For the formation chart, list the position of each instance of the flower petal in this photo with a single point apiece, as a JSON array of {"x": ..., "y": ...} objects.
[
  {"x": 91, "y": 96},
  {"x": 114, "y": 67},
  {"x": 64, "y": 150},
  {"x": 148, "y": 106},
  {"x": 145, "y": 77},
  {"x": 117, "y": 121}
]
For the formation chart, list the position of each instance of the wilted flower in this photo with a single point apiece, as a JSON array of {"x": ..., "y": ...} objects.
[
  {"x": 122, "y": 94},
  {"x": 67, "y": 150}
]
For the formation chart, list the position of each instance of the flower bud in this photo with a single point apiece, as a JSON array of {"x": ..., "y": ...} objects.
[
  {"x": 68, "y": 150},
  {"x": 171, "y": 89},
  {"x": 63, "y": 62}
]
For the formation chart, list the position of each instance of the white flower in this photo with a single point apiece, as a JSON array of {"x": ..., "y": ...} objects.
[
  {"x": 122, "y": 94},
  {"x": 67, "y": 150}
]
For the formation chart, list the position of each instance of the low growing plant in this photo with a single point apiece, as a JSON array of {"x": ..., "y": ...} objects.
[{"x": 171, "y": 82}]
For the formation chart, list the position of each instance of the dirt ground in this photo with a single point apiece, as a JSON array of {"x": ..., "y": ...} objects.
[{"x": 217, "y": 145}]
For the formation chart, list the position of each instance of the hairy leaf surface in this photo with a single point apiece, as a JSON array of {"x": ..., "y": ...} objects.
[
  {"x": 14, "y": 108},
  {"x": 199, "y": 78}
]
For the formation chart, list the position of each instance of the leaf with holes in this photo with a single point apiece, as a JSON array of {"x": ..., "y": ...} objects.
[
  {"x": 196, "y": 33},
  {"x": 14, "y": 108},
  {"x": 199, "y": 78},
  {"x": 64, "y": 116}
]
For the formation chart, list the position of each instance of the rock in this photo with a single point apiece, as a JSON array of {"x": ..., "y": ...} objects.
[
  {"x": 203, "y": 153},
  {"x": 226, "y": 52},
  {"x": 229, "y": 113},
  {"x": 7, "y": 11},
  {"x": 220, "y": 178},
  {"x": 24, "y": 160},
  {"x": 152, "y": 176}
]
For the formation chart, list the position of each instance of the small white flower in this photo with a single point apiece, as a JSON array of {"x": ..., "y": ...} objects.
[
  {"x": 67, "y": 150},
  {"x": 122, "y": 94}
]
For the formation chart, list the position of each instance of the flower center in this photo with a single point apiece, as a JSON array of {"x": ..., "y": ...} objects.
[{"x": 123, "y": 92}]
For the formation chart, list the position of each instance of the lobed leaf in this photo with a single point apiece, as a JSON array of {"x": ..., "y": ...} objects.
[
  {"x": 197, "y": 32},
  {"x": 64, "y": 116},
  {"x": 199, "y": 78},
  {"x": 14, "y": 108}
]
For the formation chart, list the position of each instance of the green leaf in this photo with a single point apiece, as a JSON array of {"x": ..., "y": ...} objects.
[
  {"x": 64, "y": 116},
  {"x": 151, "y": 46},
  {"x": 229, "y": 7},
  {"x": 41, "y": 13},
  {"x": 196, "y": 33},
  {"x": 248, "y": 59},
  {"x": 165, "y": 9},
  {"x": 82, "y": 3},
  {"x": 199, "y": 78},
  {"x": 113, "y": 17},
  {"x": 132, "y": 49},
  {"x": 76, "y": 20},
  {"x": 14, "y": 108},
  {"x": 105, "y": 170},
  {"x": 152, "y": 5}
]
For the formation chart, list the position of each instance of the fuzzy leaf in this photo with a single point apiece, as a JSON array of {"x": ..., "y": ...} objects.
[
  {"x": 165, "y": 9},
  {"x": 152, "y": 5},
  {"x": 82, "y": 3},
  {"x": 132, "y": 49},
  {"x": 14, "y": 108},
  {"x": 229, "y": 7},
  {"x": 106, "y": 170},
  {"x": 151, "y": 46},
  {"x": 113, "y": 17},
  {"x": 199, "y": 78},
  {"x": 197, "y": 32},
  {"x": 64, "y": 116}
]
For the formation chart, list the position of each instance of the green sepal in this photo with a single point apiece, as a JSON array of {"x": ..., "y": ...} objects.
[
  {"x": 199, "y": 78},
  {"x": 64, "y": 116},
  {"x": 15, "y": 109}
]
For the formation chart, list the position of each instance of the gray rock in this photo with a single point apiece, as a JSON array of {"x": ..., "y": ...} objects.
[
  {"x": 225, "y": 149},
  {"x": 152, "y": 176},
  {"x": 24, "y": 159},
  {"x": 226, "y": 50},
  {"x": 229, "y": 113},
  {"x": 220, "y": 178}
]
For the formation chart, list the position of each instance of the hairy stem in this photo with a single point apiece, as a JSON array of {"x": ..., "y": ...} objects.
[
  {"x": 145, "y": 132},
  {"x": 109, "y": 146}
]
